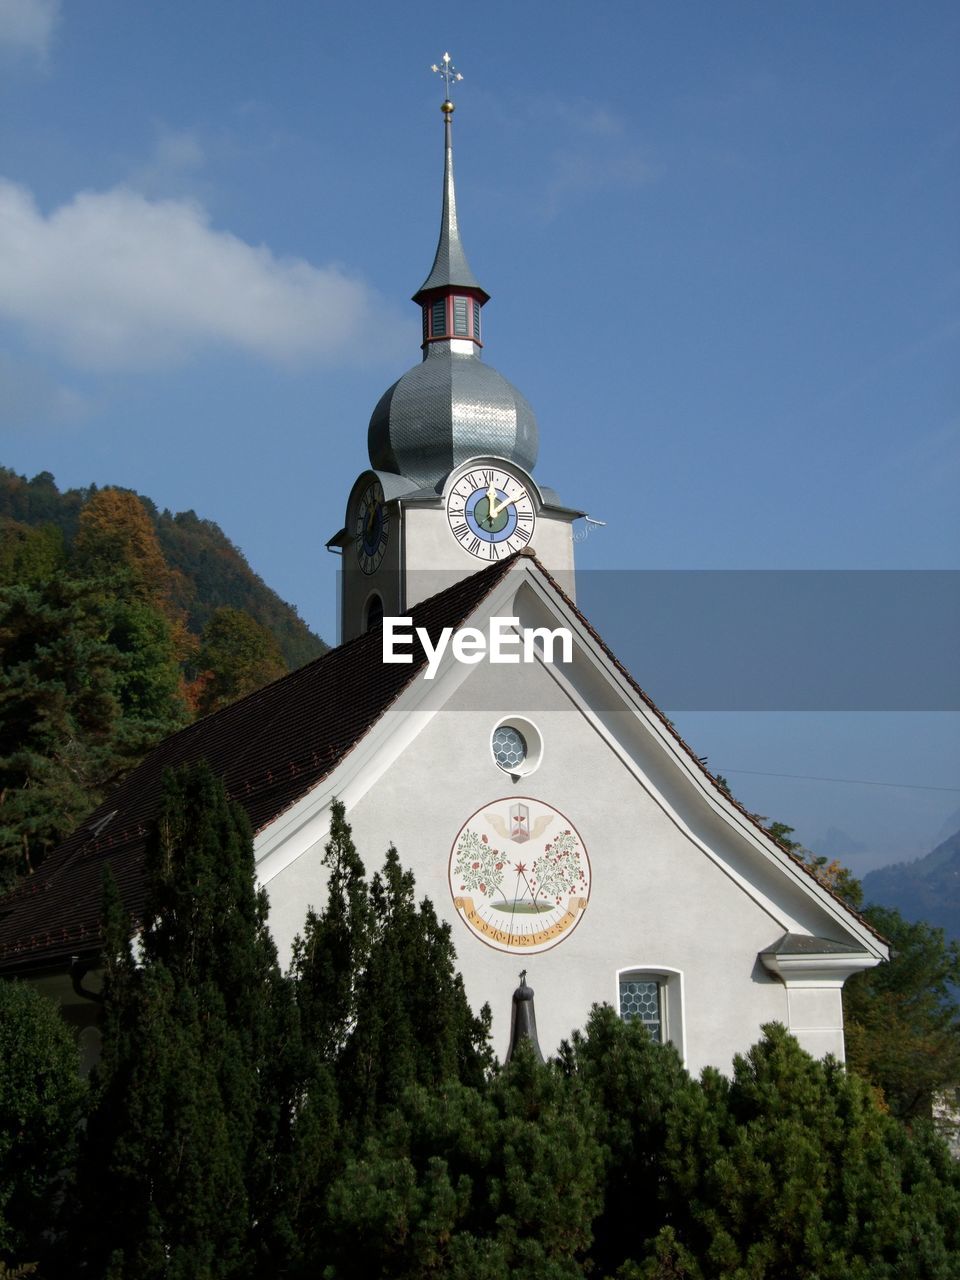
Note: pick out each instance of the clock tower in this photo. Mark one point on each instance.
(452, 447)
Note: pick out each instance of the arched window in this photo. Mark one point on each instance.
(641, 1000)
(374, 612)
(653, 995)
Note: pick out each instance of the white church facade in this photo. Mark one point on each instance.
(546, 807)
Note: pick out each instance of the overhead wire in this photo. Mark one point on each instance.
(859, 782)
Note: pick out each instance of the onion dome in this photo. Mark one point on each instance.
(451, 407)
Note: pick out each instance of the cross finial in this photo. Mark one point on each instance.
(448, 74)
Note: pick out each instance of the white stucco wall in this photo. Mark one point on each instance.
(671, 881)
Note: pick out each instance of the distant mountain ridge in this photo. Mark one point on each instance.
(926, 889)
(211, 571)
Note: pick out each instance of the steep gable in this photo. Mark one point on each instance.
(270, 748)
(716, 899)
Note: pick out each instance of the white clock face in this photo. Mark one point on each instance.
(491, 513)
(519, 875)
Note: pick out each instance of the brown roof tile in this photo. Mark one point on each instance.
(270, 749)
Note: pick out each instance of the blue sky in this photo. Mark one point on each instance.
(721, 242)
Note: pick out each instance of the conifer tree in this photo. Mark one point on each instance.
(380, 998)
(793, 1169)
(464, 1182)
(635, 1086)
(382, 1010)
(413, 1022)
(41, 1098)
(189, 1135)
(88, 684)
(331, 954)
(58, 718)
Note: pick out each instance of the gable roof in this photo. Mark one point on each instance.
(270, 748)
(699, 761)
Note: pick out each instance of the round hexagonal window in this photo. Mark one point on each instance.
(509, 748)
(516, 746)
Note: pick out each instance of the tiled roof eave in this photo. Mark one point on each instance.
(294, 732)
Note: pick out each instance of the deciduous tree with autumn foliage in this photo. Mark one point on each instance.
(99, 654)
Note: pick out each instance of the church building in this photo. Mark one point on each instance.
(473, 717)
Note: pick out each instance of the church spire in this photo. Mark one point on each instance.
(452, 406)
(451, 295)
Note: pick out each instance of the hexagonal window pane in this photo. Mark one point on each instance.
(640, 1000)
(509, 748)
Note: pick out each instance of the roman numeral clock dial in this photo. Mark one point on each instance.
(490, 513)
(372, 528)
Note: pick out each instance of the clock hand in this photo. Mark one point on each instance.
(491, 503)
(496, 509)
(371, 520)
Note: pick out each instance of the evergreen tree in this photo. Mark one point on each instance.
(88, 683)
(793, 1169)
(381, 1000)
(635, 1086)
(466, 1183)
(41, 1098)
(58, 717)
(382, 1010)
(190, 1132)
(330, 956)
(413, 1022)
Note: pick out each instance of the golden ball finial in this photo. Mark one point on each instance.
(447, 107)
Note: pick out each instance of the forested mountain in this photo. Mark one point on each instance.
(926, 889)
(119, 624)
(211, 571)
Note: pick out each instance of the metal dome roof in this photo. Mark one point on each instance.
(452, 407)
(447, 409)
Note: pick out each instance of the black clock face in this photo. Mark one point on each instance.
(372, 527)
(490, 513)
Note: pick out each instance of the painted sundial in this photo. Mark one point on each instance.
(519, 875)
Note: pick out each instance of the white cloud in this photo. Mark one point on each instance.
(28, 25)
(113, 280)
